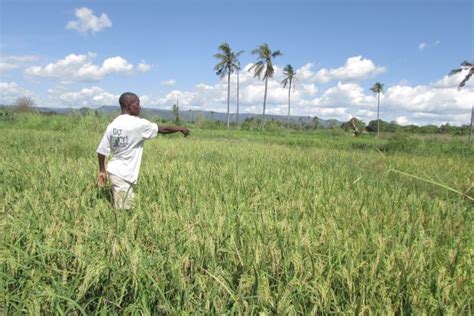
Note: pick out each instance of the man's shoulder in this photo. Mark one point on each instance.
(133, 121)
(114, 122)
(142, 121)
(125, 119)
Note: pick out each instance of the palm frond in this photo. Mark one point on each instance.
(224, 47)
(220, 56)
(257, 69)
(219, 65)
(228, 60)
(465, 65)
(269, 72)
(377, 88)
(276, 54)
(222, 72)
(255, 51)
(256, 64)
(455, 71)
(463, 82)
(264, 61)
(288, 71)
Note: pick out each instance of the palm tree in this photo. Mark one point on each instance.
(226, 66)
(238, 70)
(378, 88)
(264, 64)
(289, 77)
(469, 66)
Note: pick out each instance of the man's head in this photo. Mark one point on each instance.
(130, 103)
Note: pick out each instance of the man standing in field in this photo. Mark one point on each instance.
(124, 139)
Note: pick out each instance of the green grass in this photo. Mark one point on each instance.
(235, 222)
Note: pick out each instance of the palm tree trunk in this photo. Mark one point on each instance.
(264, 102)
(237, 118)
(378, 111)
(288, 119)
(228, 100)
(470, 128)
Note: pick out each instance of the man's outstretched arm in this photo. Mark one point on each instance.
(173, 129)
(102, 178)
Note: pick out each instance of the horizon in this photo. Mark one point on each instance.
(242, 116)
(86, 53)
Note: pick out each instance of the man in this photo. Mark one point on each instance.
(123, 140)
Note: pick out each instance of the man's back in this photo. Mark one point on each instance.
(123, 140)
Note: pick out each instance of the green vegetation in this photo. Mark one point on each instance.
(235, 222)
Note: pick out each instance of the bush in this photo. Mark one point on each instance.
(400, 143)
(24, 104)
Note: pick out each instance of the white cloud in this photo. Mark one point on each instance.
(81, 68)
(144, 100)
(309, 89)
(403, 120)
(344, 94)
(422, 46)
(86, 22)
(143, 66)
(10, 91)
(87, 97)
(429, 99)
(356, 68)
(14, 62)
(168, 83)
(305, 72)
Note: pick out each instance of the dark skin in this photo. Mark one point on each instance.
(133, 108)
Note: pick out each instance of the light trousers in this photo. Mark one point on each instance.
(122, 192)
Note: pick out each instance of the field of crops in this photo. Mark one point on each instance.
(235, 222)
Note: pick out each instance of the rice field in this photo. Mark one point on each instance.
(231, 222)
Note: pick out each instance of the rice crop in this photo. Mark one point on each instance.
(234, 222)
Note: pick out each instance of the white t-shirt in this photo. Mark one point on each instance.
(123, 139)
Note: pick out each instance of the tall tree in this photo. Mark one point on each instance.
(175, 110)
(226, 66)
(264, 65)
(469, 66)
(378, 88)
(289, 73)
(238, 92)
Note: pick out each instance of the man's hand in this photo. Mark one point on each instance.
(185, 131)
(102, 179)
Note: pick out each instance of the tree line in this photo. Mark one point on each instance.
(229, 63)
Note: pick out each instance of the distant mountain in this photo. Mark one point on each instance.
(190, 115)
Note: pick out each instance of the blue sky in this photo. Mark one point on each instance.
(86, 53)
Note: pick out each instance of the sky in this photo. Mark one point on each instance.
(86, 53)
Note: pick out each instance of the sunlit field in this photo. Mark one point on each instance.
(236, 222)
